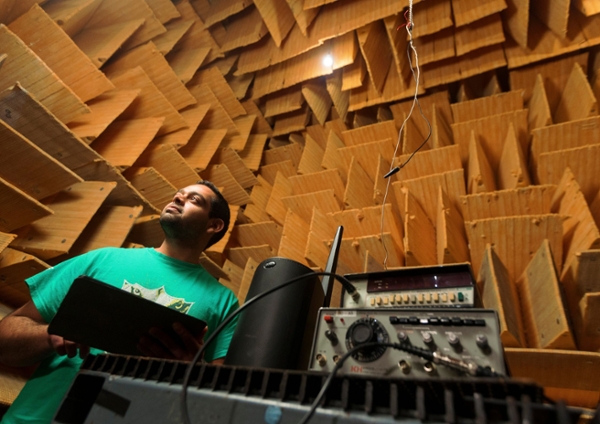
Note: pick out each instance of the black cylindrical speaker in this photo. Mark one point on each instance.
(277, 330)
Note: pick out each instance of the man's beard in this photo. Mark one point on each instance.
(175, 228)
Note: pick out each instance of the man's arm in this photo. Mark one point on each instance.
(24, 339)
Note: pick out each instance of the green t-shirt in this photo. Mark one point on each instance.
(179, 285)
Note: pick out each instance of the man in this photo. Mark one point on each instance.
(196, 218)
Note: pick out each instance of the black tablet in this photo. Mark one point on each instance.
(108, 318)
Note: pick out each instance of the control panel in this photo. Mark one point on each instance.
(470, 336)
(440, 286)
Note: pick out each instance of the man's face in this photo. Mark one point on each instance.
(186, 216)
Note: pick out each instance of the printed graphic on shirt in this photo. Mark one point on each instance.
(159, 296)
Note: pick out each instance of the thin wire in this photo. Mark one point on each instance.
(409, 27)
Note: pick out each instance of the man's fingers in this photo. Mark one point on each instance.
(191, 343)
(149, 346)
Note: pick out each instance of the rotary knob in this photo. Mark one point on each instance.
(366, 330)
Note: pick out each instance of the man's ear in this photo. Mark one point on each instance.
(215, 225)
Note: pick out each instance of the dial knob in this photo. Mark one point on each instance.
(366, 330)
(332, 337)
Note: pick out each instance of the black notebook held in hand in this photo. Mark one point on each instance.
(108, 318)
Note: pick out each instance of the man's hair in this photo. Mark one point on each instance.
(219, 208)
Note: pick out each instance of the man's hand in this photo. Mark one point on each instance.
(67, 347)
(160, 344)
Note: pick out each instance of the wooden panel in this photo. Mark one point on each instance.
(18, 208)
(35, 122)
(267, 232)
(156, 67)
(156, 188)
(235, 273)
(563, 136)
(108, 228)
(217, 117)
(294, 238)
(450, 232)
(579, 228)
(331, 179)
(339, 97)
(23, 65)
(425, 190)
(482, 33)
(275, 206)
(290, 122)
(221, 10)
(367, 154)
(587, 7)
(555, 75)
(360, 188)
(370, 133)
(583, 161)
(163, 9)
(376, 51)
(318, 99)
(546, 44)
(169, 163)
(512, 171)
(578, 100)
(539, 108)
(104, 109)
(185, 63)
(216, 251)
(110, 12)
(73, 209)
(15, 267)
(124, 141)
(46, 39)
(311, 159)
(430, 162)
(487, 106)
(101, 43)
(436, 47)
(298, 69)
(353, 75)
(554, 14)
(516, 17)
(467, 11)
(16, 156)
(342, 17)
(491, 133)
(419, 232)
(393, 90)
(146, 231)
(256, 211)
(252, 152)
(249, 270)
(198, 36)
(454, 69)
(514, 240)
(241, 255)
(303, 16)
(71, 16)
(277, 16)
(559, 371)
(283, 101)
(236, 166)
(222, 91)
(321, 231)
(532, 200)
(399, 43)
(546, 324)
(244, 29)
(431, 16)
(175, 30)
(150, 103)
(193, 115)
(269, 172)
(201, 148)
(302, 204)
(500, 294)
(480, 177)
(221, 176)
